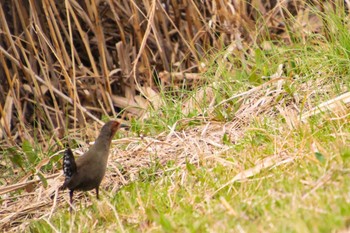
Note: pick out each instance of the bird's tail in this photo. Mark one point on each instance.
(69, 166)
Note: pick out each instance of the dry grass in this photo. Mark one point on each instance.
(198, 145)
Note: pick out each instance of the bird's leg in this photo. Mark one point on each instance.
(97, 196)
(71, 199)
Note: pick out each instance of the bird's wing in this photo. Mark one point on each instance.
(69, 165)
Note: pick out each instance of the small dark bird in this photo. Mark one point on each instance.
(87, 172)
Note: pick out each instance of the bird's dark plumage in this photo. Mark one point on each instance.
(87, 171)
(69, 166)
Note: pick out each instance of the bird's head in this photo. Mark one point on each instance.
(109, 129)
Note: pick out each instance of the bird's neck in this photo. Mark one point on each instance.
(102, 143)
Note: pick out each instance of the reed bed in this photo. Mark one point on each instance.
(69, 63)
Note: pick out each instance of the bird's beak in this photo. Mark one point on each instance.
(124, 126)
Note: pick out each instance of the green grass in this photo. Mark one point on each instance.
(303, 196)
(308, 193)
